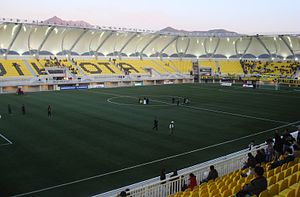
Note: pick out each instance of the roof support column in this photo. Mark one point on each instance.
(128, 41)
(13, 39)
(167, 45)
(45, 39)
(102, 43)
(246, 49)
(263, 44)
(77, 40)
(288, 46)
(146, 46)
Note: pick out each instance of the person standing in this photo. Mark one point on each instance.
(192, 181)
(172, 127)
(162, 175)
(23, 109)
(155, 124)
(9, 109)
(49, 111)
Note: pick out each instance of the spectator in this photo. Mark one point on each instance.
(163, 175)
(192, 181)
(278, 145)
(287, 157)
(251, 145)
(251, 162)
(287, 139)
(297, 144)
(174, 187)
(269, 150)
(298, 136)
(256, 186)
(213, 174)
(260, 156)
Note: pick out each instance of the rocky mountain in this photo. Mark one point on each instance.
(59, 21)
(209, 32)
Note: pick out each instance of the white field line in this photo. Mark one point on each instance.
(228, 113)
(206, 109)
(258, 93)
(152, 162)
(128, 104)
(8, 141)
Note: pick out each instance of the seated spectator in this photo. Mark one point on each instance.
(287, 157)
(256, 186)
(213, 174)
(192, 181)
(251, 162)
(260, 156)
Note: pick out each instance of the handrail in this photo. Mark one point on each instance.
(154, 187)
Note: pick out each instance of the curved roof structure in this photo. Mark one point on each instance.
(35, 37)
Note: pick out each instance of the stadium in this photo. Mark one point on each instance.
(79, 103)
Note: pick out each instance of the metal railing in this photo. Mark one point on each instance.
(156, 188)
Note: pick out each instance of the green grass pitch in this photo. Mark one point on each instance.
(98, 131)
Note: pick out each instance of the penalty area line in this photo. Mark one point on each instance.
(7, 140)
(154, 161)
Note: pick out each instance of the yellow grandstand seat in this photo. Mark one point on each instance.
(166, 65)
(212, 187)
(183, 66)
(210, 64)
(295, 168)
(195, 194)
(277, 170)
(37, 67)
(283, 185)
(270, 173)
(264, 193)
(97, 67)
(178, 194)
(205, 195)
(214, 192)
(292, 179)
(273, 189)
(227, 193)
(151, 64)
(131, 66)
(271, 180)
(236, 189)
(223, 188)
(230, 67)
(280, 176)
(288, 193)
(290, 164)
(13, 68)
(287, 172)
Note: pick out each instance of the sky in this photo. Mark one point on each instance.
(242, 16)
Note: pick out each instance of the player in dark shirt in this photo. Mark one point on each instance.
(23, 109)
(155, 124)
(49, 111)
